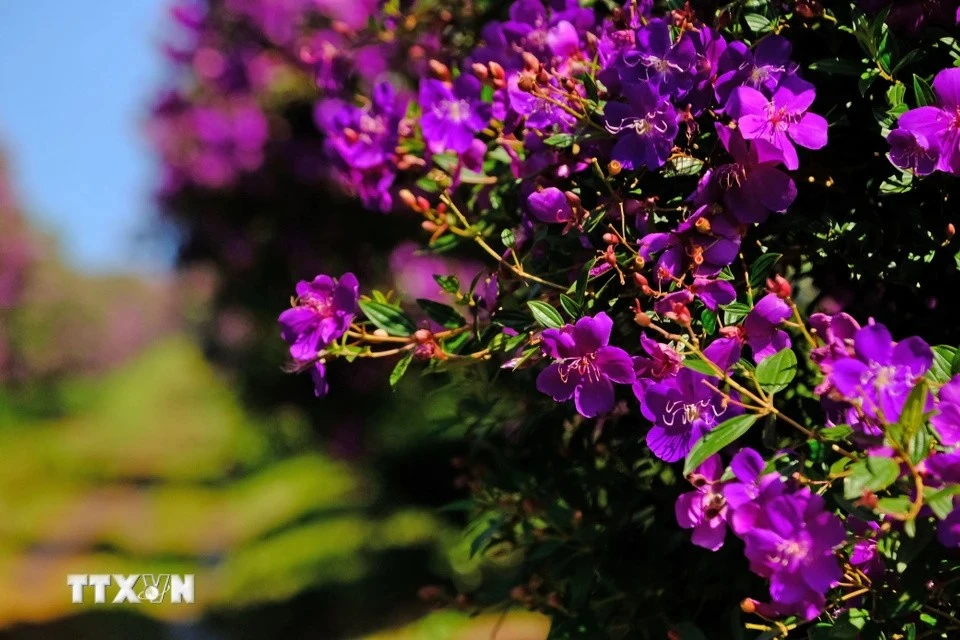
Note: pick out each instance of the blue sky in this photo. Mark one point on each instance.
(75, 81)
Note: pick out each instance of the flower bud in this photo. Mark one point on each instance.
(951, 230)
(496, 71)
(407, 197)
(614, 167)
(518, 593)
(422, 335)
(702, 225)
(439, 70)
(430, 593)
(530, 62)
(642, 319)
(748, 605)
(779, 286)
(480, 70)
(611, 238)
(526, 83)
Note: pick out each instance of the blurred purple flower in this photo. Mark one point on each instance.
(323, 312)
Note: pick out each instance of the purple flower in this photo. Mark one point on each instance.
(882, 374)
(539, 114)
(912, 151)
(751, 186)
(657, 61)
(761, 69)
(702, 244)
(452, 115)
(585, 366)
(318, 373)
(645, 127)
(761, 327)
(550, 205)
(948, 531)
(323, 312)
(682, 410)
(660, 363)
(705, 510)
(935, 127)
(709, 46)
(751, 491)
(946, 422)
(781, 120)
(792, 544)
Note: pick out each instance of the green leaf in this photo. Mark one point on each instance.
(682, 166)
(902, 434)
(734, 311)
(700, 365)
(923, 92)
(941, 502)
(443, 315)
(723, 434)
(839, 432)
(571, 306)
(559, 140)
(777, 371)
(390, 319)
(942, 368)
(400, 368)
(873, 474)
(709, 321)
(507, 238)
(761, 267)
(955, 363)
(545, 315)
(897, 504)
(450, 284)
(757, 22)
(838, 66)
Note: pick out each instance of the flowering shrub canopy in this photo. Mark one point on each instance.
(676, 205)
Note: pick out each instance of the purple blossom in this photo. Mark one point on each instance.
(883, 373)
(946, 422)
(550, 205)
(645, 127)
(655, 60)
(539, 114)
(705, 510)
(762, 327)
(761, 69)
(792, 544)
(702, 244)
(452, 114)
(682, 410)
(912, 151)
(934, 128)
(751, 186)
(318, 373)
(660, 363)
(781, 120)
(585, 366)
(709, 46)
(323, 312)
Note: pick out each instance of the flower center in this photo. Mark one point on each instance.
(454, 110)
(582, 366)
(321, 305)
(790, 552)
(730, 176)
(689, 412)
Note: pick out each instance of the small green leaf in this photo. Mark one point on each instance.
(400, 368)
(722, 435)
(839, 432)
(507, 238)
(700, 365)
(757, 22)
(709, 321)
(443, 315)
(922, 92)
(390, 319)
(761, 268)
(559, 140)
(873, 474)
(734, 311)
(777, 371)
(838, 66)
(902, 434)
(941, 502)
(943, 358)
(570, 306)
(450, 284)
(545, 315)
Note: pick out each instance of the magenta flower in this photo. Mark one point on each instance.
(660, 363)
(882, 373)
(702, 244)
(550, 205)
(645, 127)
(452, 114)
(318, 373)
(657, 61)
(585, 366)
(323, 312)
(682, 409)
(792, 544)
(760, 69)
(935, 128)
(705, 510)
(781, 120)
(751, 186)
(762, 327)
(912, 151)
(947, 420)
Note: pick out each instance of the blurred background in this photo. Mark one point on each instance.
(161, 191)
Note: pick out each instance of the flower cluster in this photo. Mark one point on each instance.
(618, 168)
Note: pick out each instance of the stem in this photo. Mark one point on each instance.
(478, 238)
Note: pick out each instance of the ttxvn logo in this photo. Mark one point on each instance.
(154, 588)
